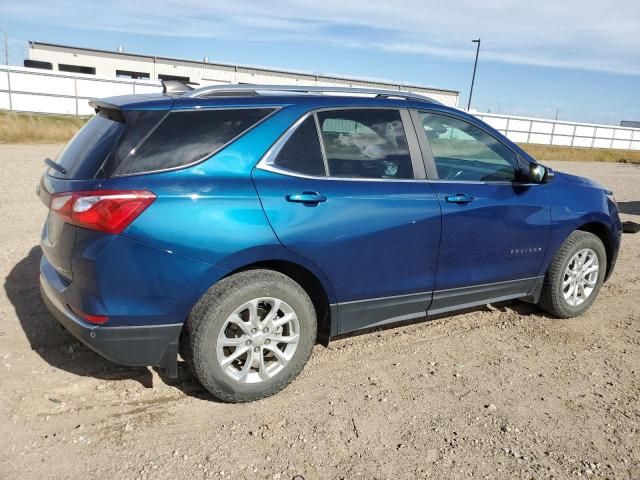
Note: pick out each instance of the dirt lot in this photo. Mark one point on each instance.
(493, 393)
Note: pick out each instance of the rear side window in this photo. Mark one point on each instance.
(365, 143)
(138, 125)
(185, 137)
(85, 153)
(302, 152)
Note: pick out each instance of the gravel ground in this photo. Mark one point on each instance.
(496, 392)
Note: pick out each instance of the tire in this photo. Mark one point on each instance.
(221, 313)
(552, 298)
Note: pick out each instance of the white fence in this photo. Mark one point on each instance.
(41, 91)
(557, 132)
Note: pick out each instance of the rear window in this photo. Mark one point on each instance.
(85, 153)
(186, 137)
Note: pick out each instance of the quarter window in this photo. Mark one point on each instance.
(462, 151)
(365, 143)
(302, 152)
(189, 136)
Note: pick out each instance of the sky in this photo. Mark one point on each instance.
(579, 58)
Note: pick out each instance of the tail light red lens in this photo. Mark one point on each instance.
(97, 319)
(109, 211)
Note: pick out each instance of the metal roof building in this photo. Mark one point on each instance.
(119, 64)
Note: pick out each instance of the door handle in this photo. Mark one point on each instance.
(459, 198)
(308, 198)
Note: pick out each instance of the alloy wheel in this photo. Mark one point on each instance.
(580, 277)
(258, 340)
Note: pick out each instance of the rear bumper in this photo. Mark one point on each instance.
(149, 345)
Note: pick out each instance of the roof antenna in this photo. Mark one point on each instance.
(176, 86)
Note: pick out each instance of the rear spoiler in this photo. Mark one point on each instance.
(109, 110)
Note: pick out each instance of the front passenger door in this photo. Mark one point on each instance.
(495, 227)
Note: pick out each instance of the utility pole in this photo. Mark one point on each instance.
(557, 111)
(475, 65)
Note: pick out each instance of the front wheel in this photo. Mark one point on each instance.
(250, 335)
(575, 276)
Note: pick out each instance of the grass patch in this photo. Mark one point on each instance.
(26, 128)
(579, 154)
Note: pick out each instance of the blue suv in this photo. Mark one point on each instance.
(238, 225)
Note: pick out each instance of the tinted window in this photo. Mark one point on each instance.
(76, 69)
(131, 74)
(464, 152)
(186, 137)
(38, 64)
(302, 153)
(85, 153)
(138, 124)
(365, 143)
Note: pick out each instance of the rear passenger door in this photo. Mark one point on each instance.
(345, 188)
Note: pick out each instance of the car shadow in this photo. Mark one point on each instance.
(54, 343)
(630, 208)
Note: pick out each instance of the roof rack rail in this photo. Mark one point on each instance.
(247, 89)
(177, 86)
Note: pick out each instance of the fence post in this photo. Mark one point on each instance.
(75, 91)
(9, 88)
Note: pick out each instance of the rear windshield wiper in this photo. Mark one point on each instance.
(55, 166)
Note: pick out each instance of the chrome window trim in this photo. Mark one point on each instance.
(266, 163)
(323, 151)
(275, 109)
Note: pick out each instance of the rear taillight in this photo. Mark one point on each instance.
(109, 211)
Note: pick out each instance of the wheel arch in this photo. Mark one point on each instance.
(320, 293)
(601, 231)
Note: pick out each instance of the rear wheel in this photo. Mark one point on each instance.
(575, 276)
(250, 335)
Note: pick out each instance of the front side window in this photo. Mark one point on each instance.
(463, 152)
(302, 152)
(186, 137)
(365, 143)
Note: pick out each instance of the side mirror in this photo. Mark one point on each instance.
(540, 174)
